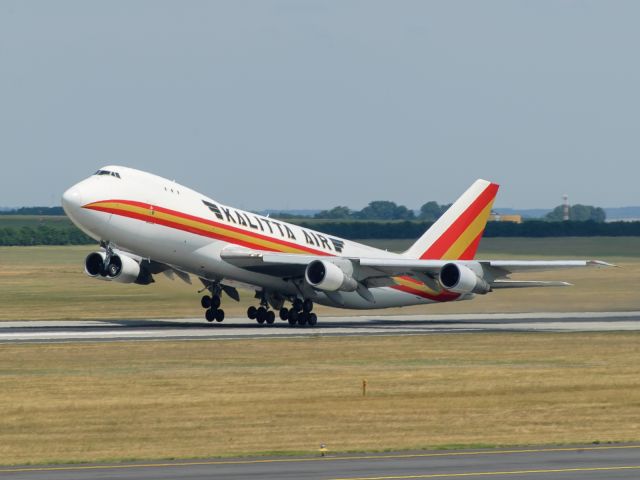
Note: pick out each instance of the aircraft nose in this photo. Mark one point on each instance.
(72, 200)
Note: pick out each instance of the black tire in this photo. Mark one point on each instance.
(304, 317)
(284, 314)
(252, 312)
(205, 301)
(307, 305)
(313, 320)
(219, 315)
(297, 305)
(271, 317)
(261, 315)
(210, 315)
(215, 301)
(293, 317)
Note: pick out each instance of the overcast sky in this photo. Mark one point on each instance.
(312, 104)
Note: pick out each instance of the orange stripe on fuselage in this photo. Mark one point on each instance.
(237, 236)
(199, 226)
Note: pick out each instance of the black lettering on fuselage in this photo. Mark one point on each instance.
(279, 228)
(324, 241)
(268, 224)
(259, 223)
(337, 244)
(308, 238)
(289, 233)
(252, 225)
(228, 215)
(241, 220)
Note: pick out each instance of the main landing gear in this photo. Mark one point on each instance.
(300, 313)
(211, 304)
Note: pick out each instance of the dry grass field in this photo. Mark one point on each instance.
(101, 401)
(47, 283)
(87, 402)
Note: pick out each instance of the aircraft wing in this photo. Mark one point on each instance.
(379, 271)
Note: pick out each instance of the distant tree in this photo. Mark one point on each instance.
(336, 213)
(577, 213)
(284, 215)
(431, 211)
(385, 210)
(34, 211)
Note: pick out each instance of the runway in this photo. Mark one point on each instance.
(576, 462)
(242, 328)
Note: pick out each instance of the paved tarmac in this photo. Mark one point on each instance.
(611, 462)
(235, 328)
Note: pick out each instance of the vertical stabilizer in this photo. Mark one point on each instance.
(456, 234)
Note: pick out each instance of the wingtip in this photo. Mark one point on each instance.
(601, 264)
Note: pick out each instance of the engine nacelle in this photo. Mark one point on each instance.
(94, 265)
(328, 276)
(121, 268)
(462, 279)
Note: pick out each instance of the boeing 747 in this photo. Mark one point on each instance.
(147, 225)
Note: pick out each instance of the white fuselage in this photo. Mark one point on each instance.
(155, 218)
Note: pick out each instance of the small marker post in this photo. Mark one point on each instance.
(364, 387)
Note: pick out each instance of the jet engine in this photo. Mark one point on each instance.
(328, 276)
(120, 268)
(460, 278)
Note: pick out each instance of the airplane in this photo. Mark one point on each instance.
(146, 225)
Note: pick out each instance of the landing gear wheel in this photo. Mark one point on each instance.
(293, 317)
(302, 321)
(284, 314)
(215, 301)
(307, 305)
(271, 317)
(297, 304)
(210, 315)
(252, 312)
(219, 316)
(205, 301)
(313, 319)
(261, 315)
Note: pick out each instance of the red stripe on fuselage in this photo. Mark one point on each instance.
(188, 228)
(441, 297)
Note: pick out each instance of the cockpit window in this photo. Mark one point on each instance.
(107, 172)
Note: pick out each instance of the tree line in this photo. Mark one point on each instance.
(43, 235)
(384, 210)
(70, 235)
(41, 211)
(431, 211)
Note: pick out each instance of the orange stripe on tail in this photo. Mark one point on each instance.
(457, 234)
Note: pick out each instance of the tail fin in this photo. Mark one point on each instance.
(456, 235)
